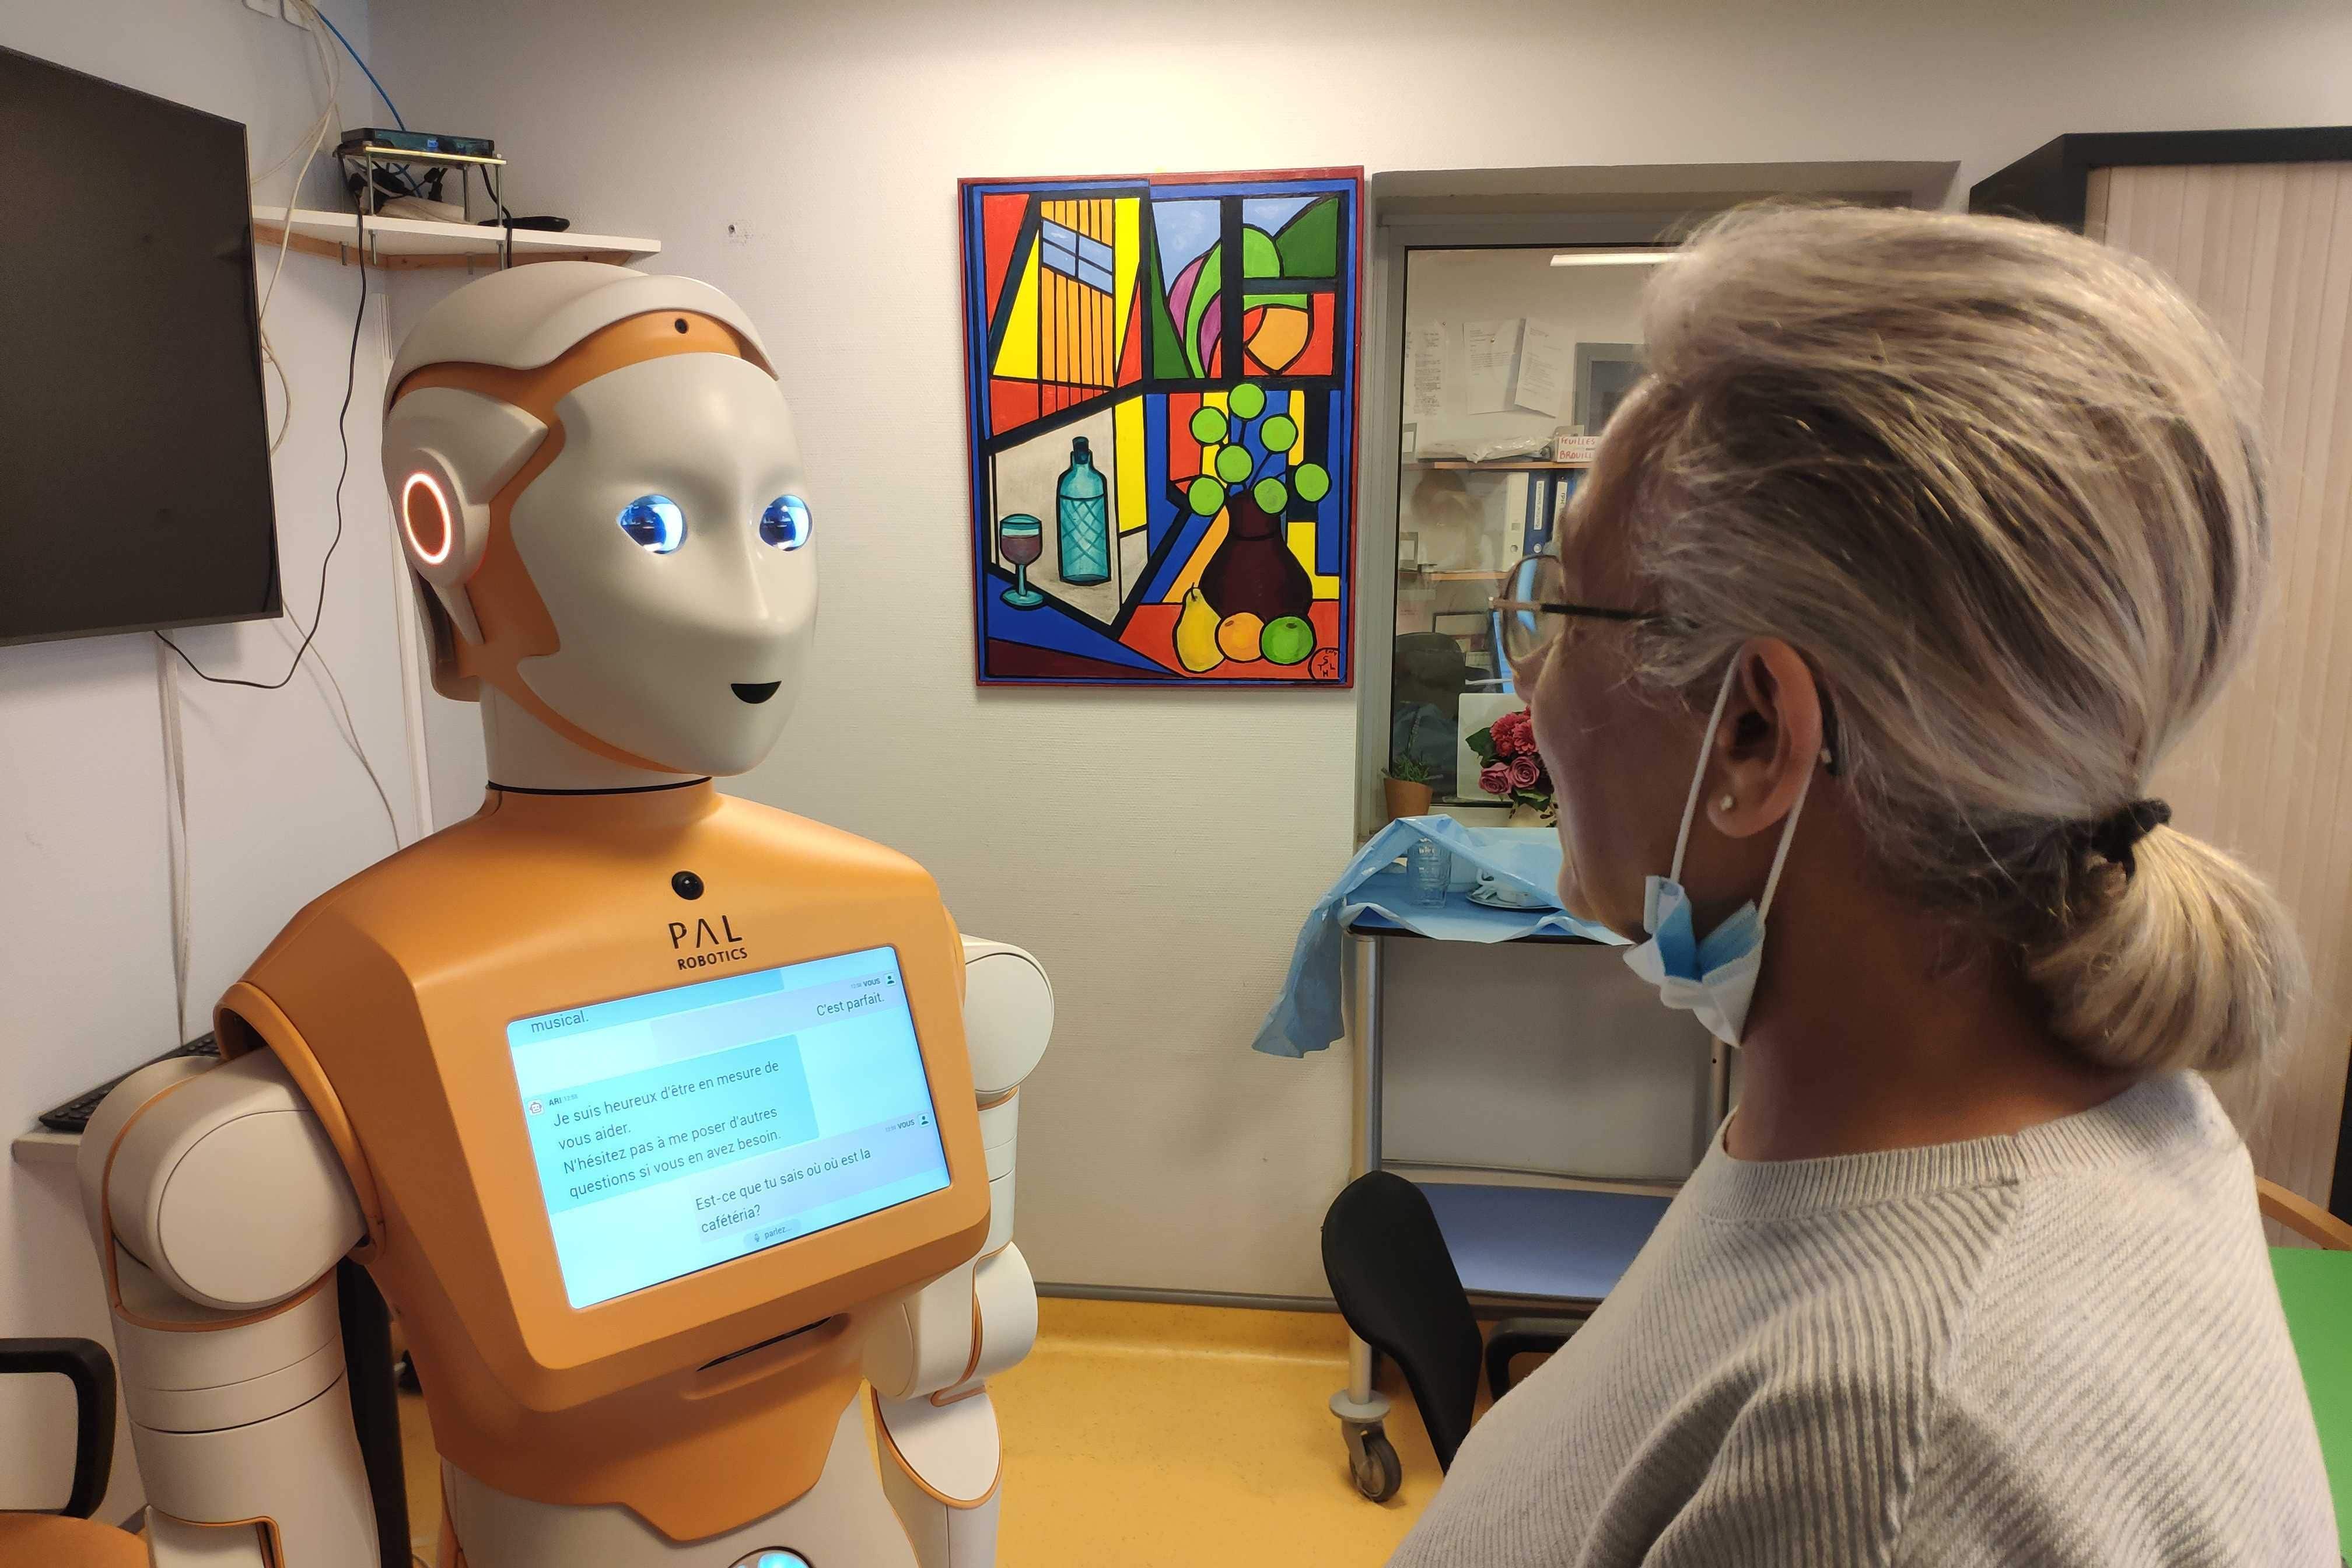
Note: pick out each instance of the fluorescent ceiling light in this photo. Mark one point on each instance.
(1611, 257)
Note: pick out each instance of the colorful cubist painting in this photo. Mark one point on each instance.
(1162, 381)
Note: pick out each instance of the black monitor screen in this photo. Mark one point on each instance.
(135, 443)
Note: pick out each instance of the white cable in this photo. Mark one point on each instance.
(349, 729)
(330, 75)
(167, 674)
(176, 831)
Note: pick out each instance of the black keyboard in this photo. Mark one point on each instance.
(75, 1113)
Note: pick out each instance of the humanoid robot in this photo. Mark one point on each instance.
(659, 1117)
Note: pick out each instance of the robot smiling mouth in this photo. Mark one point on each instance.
(756, 692)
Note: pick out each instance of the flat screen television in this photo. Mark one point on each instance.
(134, 440)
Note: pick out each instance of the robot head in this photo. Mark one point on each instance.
(593, 471)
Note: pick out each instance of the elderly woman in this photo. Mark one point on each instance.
(1925, 541)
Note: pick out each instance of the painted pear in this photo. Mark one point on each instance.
(1196, 634)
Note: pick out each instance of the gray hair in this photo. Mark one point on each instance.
(1996, 482)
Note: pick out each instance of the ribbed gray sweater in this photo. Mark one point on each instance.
(2059, 1348)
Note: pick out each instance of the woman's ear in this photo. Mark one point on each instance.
(1769, 742)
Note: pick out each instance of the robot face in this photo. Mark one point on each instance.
(671, 540)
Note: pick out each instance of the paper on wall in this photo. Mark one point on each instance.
(1541, 384)
(1489, 350)
(1425, 377)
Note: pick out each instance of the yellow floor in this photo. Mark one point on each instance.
(1139, 1435)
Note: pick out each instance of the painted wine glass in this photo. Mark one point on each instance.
(1020, 539)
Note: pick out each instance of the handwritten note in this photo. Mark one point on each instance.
(1489, 350)
(1541, 384)
(1425, 377)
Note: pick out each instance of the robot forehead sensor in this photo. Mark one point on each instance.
(538, 389)
(530, 317)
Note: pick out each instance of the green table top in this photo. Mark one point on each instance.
(2315, 1288)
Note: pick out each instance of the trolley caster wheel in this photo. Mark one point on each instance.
(1373, 1464)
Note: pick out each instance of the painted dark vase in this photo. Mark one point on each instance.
(1254, 571)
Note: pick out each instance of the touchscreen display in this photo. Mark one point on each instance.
(683, 1128)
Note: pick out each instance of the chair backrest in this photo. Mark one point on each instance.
(1395, 1284)
(2314, 1286)
(2303, 1216)
(58, 1541)
(84, 1364)
(1429, 668)
(67, 1539)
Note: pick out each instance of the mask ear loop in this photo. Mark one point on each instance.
(1788, 836)
(1698, 781)
(1699, 778)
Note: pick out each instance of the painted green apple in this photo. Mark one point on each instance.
(1286, 641)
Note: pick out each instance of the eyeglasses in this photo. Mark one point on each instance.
(1538, 587)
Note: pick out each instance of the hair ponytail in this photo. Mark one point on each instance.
(2188, 960)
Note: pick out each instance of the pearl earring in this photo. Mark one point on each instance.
(1726, 802)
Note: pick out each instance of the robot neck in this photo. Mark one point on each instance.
(524, 754)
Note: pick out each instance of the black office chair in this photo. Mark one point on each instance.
(66, 1537)
(1429, 672)
(1396, 1286)
(375, 1415)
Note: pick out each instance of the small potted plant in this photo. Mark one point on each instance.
(1406, 785)
(1512, 768)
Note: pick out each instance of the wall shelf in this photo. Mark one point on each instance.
(43, 1147)
(1507, 466)
(408, 242)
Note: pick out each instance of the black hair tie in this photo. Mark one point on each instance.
(2112, 836)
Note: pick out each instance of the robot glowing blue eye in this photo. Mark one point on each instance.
(655, 522)
(786, 523)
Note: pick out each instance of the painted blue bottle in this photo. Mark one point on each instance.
(1082, 546)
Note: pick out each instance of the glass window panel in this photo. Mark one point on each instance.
(1505, 353)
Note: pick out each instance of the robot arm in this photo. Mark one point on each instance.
(930, 1360)
(219, 1209)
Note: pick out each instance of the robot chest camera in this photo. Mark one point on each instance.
(755, 690)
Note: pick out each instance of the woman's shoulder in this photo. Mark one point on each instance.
(2123, 1366)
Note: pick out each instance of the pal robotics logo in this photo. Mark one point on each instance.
(703, 944)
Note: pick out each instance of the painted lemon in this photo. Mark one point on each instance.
(1289, 640)
(1239, 635)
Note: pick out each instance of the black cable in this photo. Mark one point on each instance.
(342, 431)
(374, 1392)
(505, 217)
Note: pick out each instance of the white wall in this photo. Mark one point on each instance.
(279, 809)
(1158, 849)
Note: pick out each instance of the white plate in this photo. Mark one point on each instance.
(1496, 896)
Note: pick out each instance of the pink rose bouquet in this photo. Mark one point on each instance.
(1511, 767)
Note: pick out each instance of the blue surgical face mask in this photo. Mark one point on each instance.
(1713, 976)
